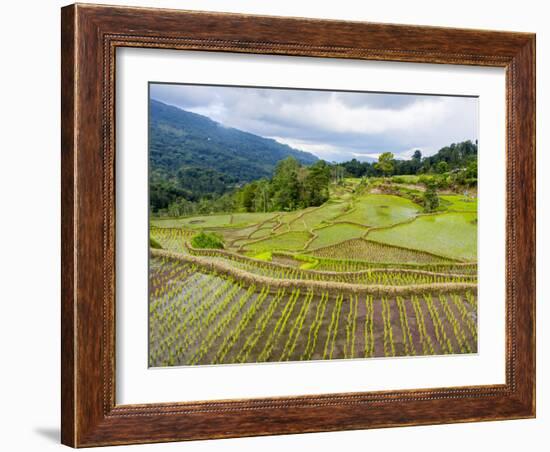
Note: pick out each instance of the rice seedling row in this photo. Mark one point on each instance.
(347, 265)
(427, 346)
(365, 250)
(467, 316)
(231, 338)
(408, 344)
(217, 331)
(440, 334)
(202, 317)
(279, 327)
(351, 327)
(260, 327)
(333, 329)
(456, 325)
(393, 277)
(385, 276)
(314, 328)
(369, 327)
(389, 346)
(296, 328)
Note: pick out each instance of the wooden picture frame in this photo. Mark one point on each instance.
(90, 36)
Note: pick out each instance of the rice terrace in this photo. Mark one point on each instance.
(293, 257)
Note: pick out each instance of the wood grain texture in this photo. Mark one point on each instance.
(67, 226)
(90, 36)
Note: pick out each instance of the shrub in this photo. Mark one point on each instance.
(441, 182)
(207, 240)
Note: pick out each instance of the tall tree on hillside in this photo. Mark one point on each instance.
(316, 184)
(431, 200)
(248, 197)
(385, 163)
(262, 196)
(471, 169)
(285, 185)
(416, 162)
(338, 173)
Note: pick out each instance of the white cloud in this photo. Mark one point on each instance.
(334, 125)
(337, 117)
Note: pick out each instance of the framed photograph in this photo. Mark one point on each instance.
(282, 225)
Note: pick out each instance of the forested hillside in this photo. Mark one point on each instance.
(193, 157)
(456, 156)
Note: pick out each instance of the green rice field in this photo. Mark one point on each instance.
(381, 210)
(453, 235)
(364, 275)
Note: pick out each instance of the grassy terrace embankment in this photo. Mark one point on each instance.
(333, 282)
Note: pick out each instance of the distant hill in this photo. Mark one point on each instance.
(191, 155)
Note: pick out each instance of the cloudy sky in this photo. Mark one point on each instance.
(333, 125)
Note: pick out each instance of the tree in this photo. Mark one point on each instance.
(431, 200)
(457, 155)
(262, 196)
(292, 186)
(354, 168)
(316, 184)
(337, 173)
(416, 162)
(248, 197)
(442, 167)
(286, 187)
(177, 208)
(385, 163)
(471, 170)
(209, 240)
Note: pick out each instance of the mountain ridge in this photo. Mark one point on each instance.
(193, 156)
(219, 133)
